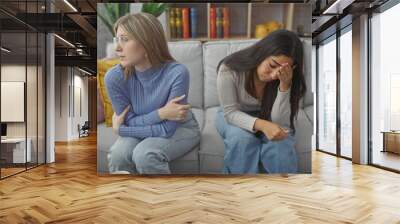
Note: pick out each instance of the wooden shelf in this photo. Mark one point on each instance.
(245, 16)
(205, 39)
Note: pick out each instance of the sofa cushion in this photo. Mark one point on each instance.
(213, 53)
(211, 142)
(211, 145)
(309, 97)
(304, 131)
(102, 68)
(199, 115)
(190, 53)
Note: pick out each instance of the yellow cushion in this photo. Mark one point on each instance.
(102, 68)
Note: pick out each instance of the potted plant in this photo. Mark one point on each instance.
(109, 13)
(156, 9)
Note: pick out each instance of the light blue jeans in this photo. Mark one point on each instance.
(245, 153)
(152, 155)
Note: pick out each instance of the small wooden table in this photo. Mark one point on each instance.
(391, 141)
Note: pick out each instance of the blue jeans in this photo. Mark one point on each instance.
(245, 153)
(152, 155)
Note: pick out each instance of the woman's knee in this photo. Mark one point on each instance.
(284, 144)
(121, 150)
(282, 149)
(238, 135)
(147, 157)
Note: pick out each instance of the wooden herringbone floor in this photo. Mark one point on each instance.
(70, 191)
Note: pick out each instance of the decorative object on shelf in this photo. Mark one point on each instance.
(213, 27)
(193, 21)
(260, 31)
(263, 30)
(273, 25)
(226, 22)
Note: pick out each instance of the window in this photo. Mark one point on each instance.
(385, 85)
(346, 93)
(327, 96)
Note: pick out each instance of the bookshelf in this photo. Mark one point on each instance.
(243, 18)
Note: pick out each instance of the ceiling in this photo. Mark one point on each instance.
(73, 20)
(331, 15)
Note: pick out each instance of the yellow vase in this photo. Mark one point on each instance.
(260, 31)
(272, 26)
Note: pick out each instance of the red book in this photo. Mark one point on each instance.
(213, 26)
(185, 22)
(225, 22)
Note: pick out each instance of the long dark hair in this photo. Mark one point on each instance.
(246, 61)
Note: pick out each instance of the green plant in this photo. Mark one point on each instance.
(156, 9)
(109, 13)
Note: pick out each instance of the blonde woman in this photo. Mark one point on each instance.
(148, 91)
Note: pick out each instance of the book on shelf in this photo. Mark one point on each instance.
(193, 22)
(213, 23)
(178, 22)
(219, 22)
(185, 23)
(225, 21)
(172, 23)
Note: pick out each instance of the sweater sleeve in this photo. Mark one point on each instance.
(119, 97)
(166, 129)
(228, 98)
(280, 112)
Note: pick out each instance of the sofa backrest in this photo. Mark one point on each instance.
(202, 61)
(190, 53)
(213, 53)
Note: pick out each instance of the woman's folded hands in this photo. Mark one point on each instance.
(174, 111)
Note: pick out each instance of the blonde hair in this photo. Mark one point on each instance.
(147, 30)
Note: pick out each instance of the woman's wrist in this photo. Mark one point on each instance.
(283, 87)
(161, 113)
(260, 125)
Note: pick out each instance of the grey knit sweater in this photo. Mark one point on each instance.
(236, 101)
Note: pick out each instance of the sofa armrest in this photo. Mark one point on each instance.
(309, 112)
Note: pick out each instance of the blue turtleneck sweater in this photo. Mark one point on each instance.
(146, 92)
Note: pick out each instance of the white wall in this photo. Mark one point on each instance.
(68, 82)
(61, 103)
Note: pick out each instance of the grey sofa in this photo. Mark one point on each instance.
(202, 59)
